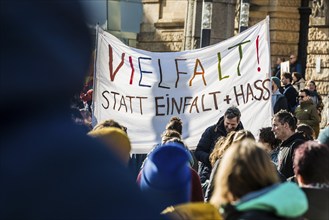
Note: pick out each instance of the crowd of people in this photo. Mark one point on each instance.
(291, 92)
(53, 168)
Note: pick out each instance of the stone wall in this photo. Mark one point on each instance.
(284, 24)
(162, 28)
(318, 50)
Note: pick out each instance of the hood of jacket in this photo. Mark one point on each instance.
(284, 200)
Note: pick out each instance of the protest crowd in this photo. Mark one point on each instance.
(56, 165)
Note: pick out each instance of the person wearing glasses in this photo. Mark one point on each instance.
(227, 123)
(306, 112)
(294, 64)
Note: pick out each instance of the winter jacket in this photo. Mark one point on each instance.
(286, 152)
(318, 201)
(296, 67)
(279, 201)
(50, 168)
(211, 185)
(280, 102)
(307, 113)
(291, 94)
(207, 144)
(299, 85)
(317, 100)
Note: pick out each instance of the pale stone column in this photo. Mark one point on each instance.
(318, 49)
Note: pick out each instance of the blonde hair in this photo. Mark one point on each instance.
(169, 134)
(175, 124)
(245, 167)
(222, 144)
(110, 123)
(243, 134)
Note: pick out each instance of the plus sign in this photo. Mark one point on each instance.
(227, 99)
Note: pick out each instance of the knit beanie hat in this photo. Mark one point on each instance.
(324, 136)
(116, 139)
(167, 175)
(276, 80)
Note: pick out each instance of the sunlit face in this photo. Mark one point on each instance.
(231, 124)
(294, 78)
(310, 86)
(284, 80)
(302, 97)
(278, 129)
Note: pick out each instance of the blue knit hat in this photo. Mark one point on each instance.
(167, 175)
(276, 80)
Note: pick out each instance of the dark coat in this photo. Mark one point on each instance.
(296, 67)
(207, 144)
(291, 94)
(306, 113)
(50, 168)
(281, 103)
(318, 202)
(232, 214)
(211, 185)
(286, 152)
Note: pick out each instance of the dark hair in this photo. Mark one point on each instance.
(306, 130)
(297, 75)
(286, 117)
(311, 161)
(307, 92)
(311, 81)
(288, 76)
(175, 124)
(232, 112)
(266, 135)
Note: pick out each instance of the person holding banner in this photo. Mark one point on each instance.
(227, 123)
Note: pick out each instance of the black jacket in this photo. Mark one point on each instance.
(281, 103)
(318, 202)
(207, 144)
(232, 214)
(286, 152)
(291, 94)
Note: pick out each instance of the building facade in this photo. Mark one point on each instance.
(296, 26)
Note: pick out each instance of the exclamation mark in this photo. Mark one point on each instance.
(257, 42)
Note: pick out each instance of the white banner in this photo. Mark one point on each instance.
(142, 90)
